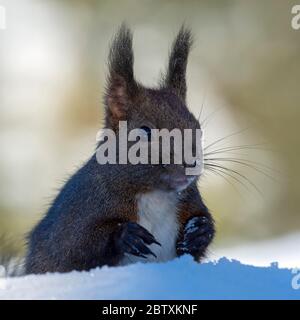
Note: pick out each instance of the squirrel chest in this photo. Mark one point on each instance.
(157, 212)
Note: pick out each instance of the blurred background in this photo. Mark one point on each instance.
(243, 73)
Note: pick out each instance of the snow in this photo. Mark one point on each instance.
(258, 278)
(284, 250)
(181, 278)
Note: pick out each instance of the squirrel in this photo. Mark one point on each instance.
(116, 214)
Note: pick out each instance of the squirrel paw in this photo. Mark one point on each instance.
(198, 233)
(133, 239)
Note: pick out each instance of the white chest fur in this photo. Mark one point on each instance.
(157, 212)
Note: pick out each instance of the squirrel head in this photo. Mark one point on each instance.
(163, 107)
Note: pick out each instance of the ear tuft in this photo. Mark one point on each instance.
(120, 58)
(176, 73)
(120, 83)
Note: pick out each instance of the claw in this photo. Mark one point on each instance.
(144, 249)
(140, 255)
(135, 239)
(148, 251)
(134, 251)
(156, 242)
(153, 254)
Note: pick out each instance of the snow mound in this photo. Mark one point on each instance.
(178, 279)
(284, 249)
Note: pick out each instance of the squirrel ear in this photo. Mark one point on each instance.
(176, 73)
(120, 83)
(116, 98)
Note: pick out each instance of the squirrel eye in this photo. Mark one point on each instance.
(147, 131)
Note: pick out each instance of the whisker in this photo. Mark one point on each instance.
(239, 174)
(224, 138)
(206, 120)
(230, 153)
(250, 161)
(220, 169)
(202, 106)
(218, 173)
(241, 147)
(244, 163)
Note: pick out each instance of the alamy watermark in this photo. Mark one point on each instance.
(295, 22)
(151, 146)
(2, 18)
(296, 279)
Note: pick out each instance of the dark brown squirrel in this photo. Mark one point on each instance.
(114, 214)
